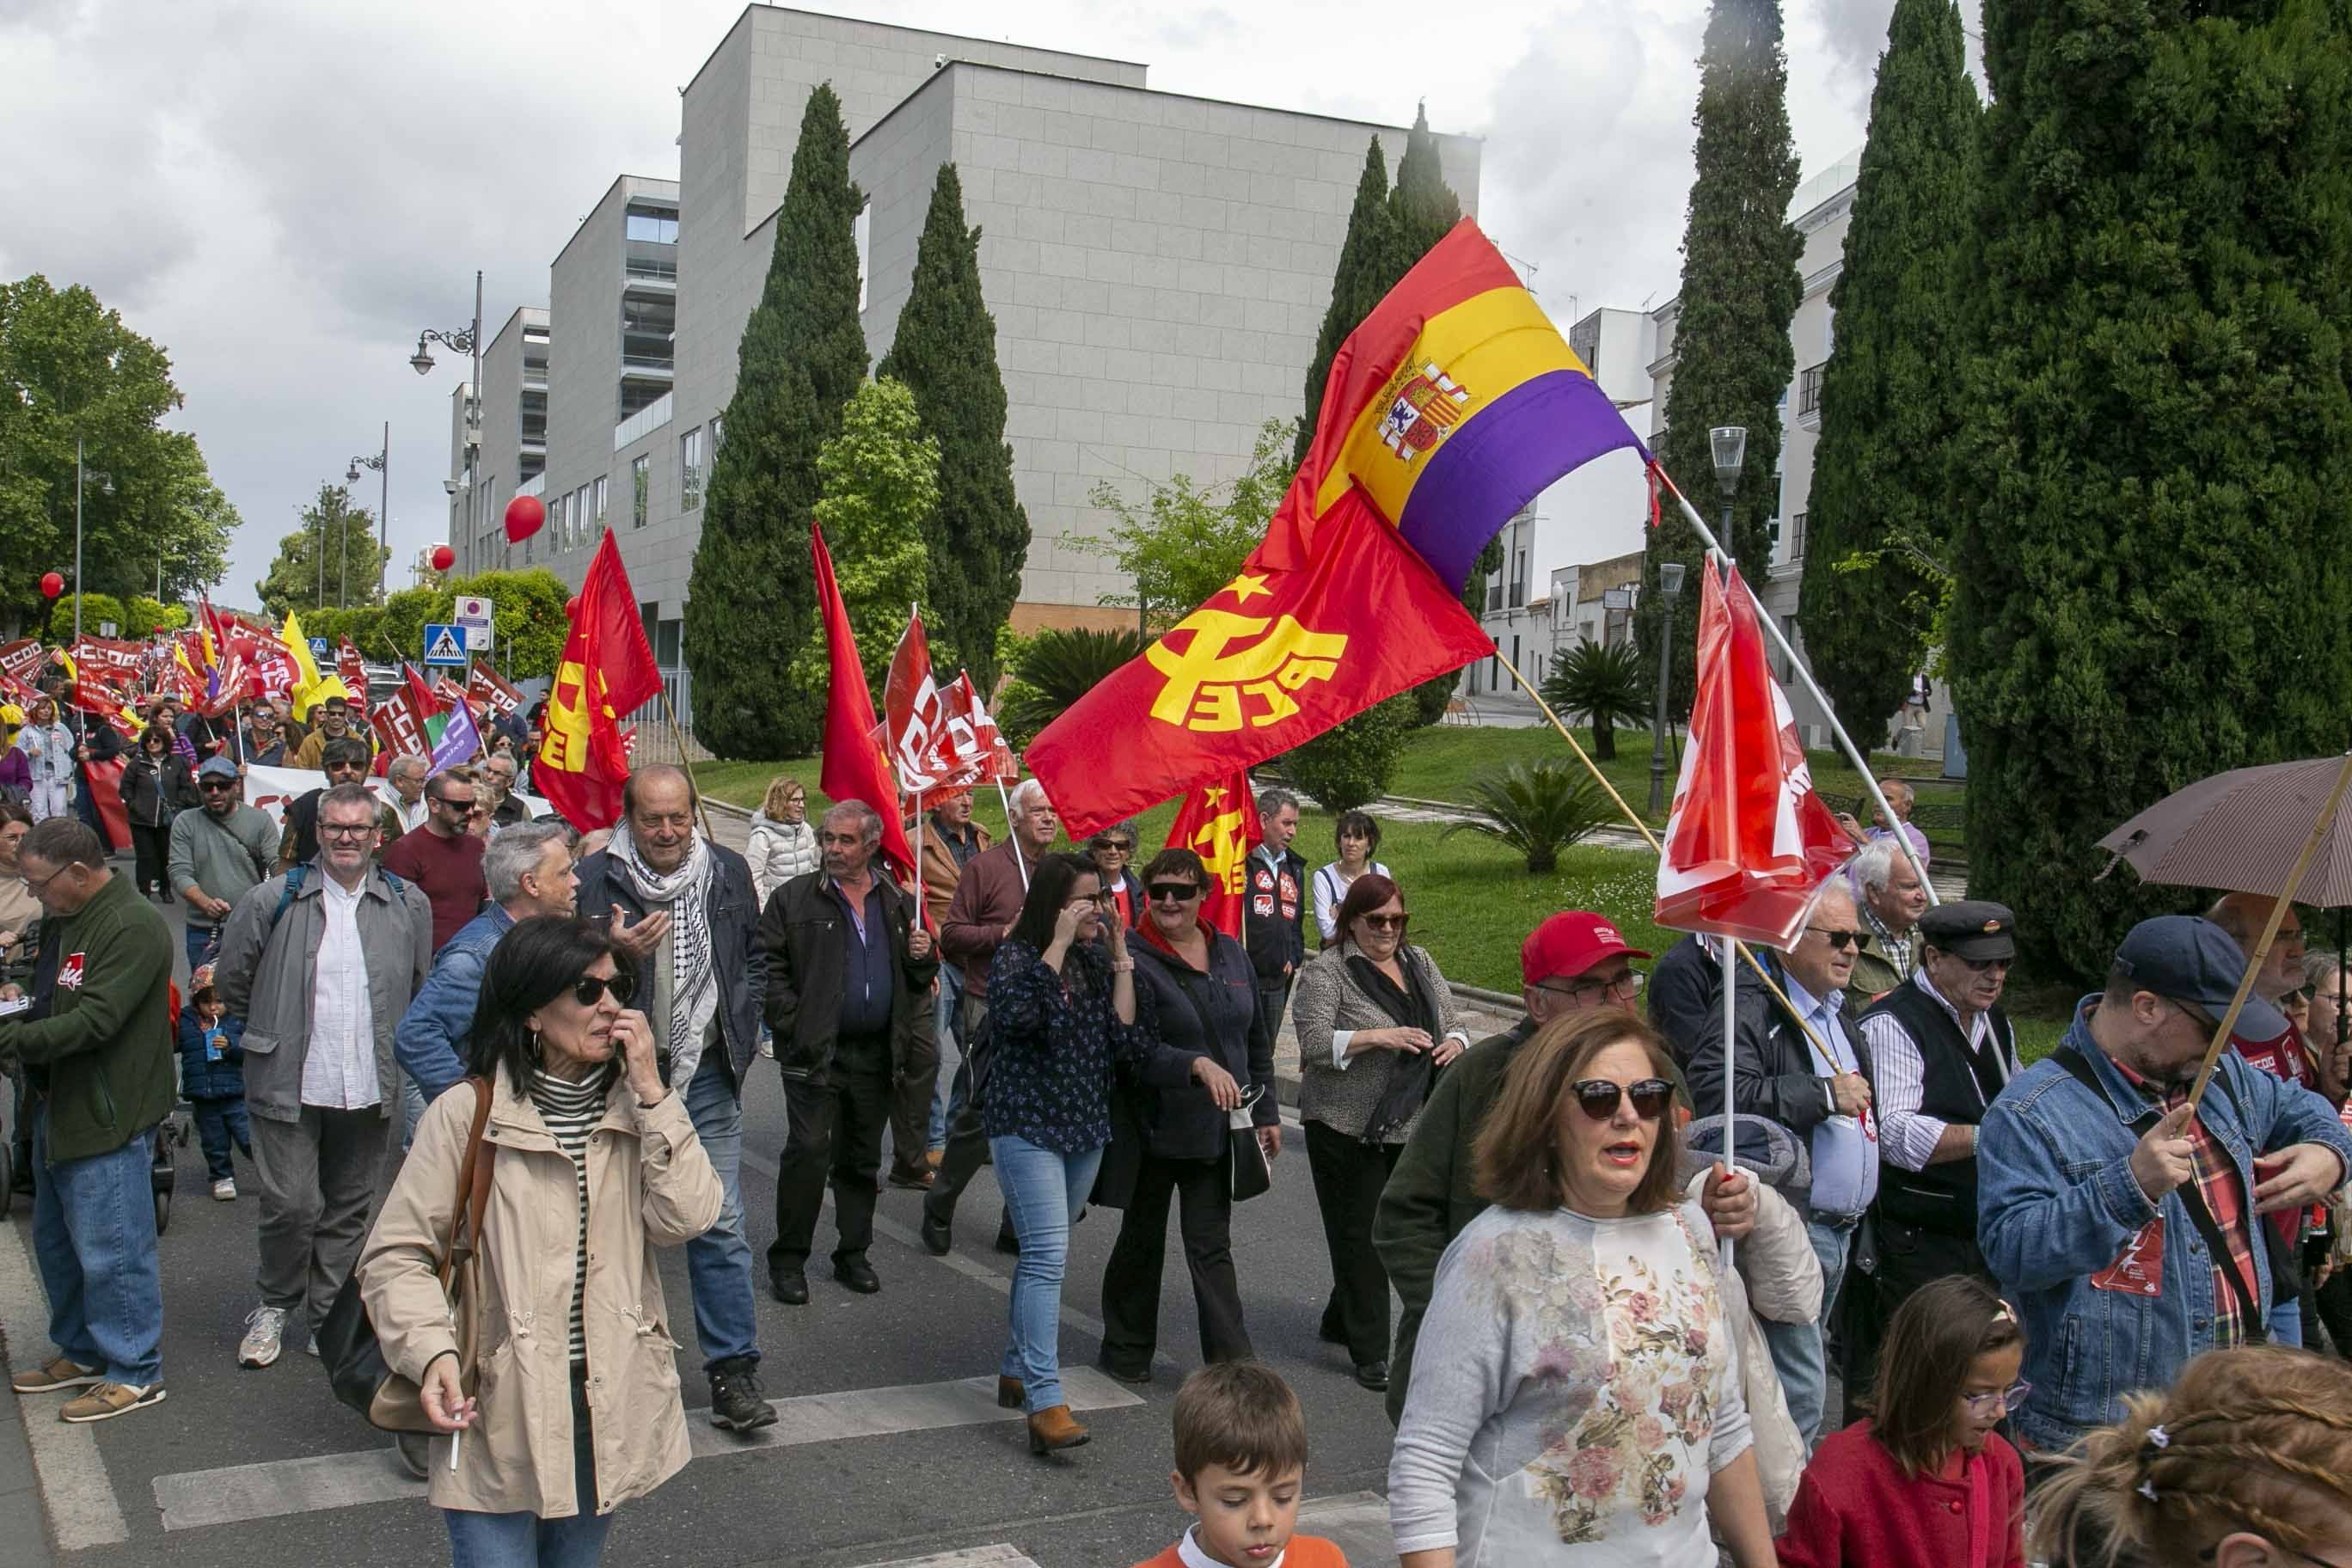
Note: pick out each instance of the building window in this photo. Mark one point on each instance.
(862, 231)
(641, 481)
(1808, 390)
(654, 228)
(717, 435)
(1520, 581)
(598, 511)
(689, 470)
(1797, 537)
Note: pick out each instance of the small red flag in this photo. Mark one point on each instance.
(1218, 822)
(607, 670)
(969, 748)
(854, 766)
(485, 688)
(1748, 840)
(352, 668)
(911, 709)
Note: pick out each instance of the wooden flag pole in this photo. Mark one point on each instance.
(685, 764)
(2270, 931)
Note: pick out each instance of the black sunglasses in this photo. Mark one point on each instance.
(1839, 941)
(1599, 1096)
(216, 786)
(1173, 892)
(589, 989)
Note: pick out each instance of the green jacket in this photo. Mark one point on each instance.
(105, 1050)
(1432, 1194)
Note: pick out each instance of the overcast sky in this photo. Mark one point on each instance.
(283, 192)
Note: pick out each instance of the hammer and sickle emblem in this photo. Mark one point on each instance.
(566, 746)
(1219, 842)
(1211, 689)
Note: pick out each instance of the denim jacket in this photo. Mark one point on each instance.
(2057, 1202)
(433, 1041)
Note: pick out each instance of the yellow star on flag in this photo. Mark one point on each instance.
(1247, 583)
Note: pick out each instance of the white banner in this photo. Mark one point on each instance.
(272, 789)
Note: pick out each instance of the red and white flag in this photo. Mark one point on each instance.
(911, 710)
(352, 668)
(485, 688)
(1748, 840)
(969, 749)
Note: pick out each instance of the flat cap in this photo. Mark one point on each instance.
(1975, 928)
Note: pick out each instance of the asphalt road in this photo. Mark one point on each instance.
(890, 1450)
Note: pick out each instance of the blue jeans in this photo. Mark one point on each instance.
(201, 940)
(954, 1084)
(1043, 1188)
(94, 1237)
(219, 1124)
(527, 1541)
(719, 1261)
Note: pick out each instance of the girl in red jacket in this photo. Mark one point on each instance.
(1925, 1482)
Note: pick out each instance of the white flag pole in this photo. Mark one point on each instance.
(1018, 857)
(1730, 1110)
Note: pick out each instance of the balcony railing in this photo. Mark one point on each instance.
(1808, 390)
(652, 416)
(648, 364)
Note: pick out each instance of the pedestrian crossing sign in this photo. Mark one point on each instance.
(446, 645)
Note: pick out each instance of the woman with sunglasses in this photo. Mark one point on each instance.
(1113, 851)
(1575, 1394)
(595, 1166)
(1061, 1013)
(157, 785)
(1197, 994)
(1376, 1022)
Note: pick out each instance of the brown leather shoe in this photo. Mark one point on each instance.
(933, 1157)
(1054, 1428)
(1009, 1396)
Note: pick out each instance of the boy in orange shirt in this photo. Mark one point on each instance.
(1241, 1462)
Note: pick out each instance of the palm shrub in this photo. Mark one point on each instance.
(1537, 809)
(1605, 684)
(1055, 669)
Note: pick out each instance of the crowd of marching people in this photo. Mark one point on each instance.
(1931, 1305)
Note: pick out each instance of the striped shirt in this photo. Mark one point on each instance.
(572, 1112)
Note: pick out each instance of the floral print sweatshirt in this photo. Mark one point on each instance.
(1574, 1389)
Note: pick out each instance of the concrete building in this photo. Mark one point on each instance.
(1158, 267)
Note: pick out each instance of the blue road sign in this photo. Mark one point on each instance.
(318, 648)
(446, 645)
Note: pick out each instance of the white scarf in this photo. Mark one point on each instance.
(684, 893)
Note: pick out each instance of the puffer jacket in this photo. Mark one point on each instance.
(649, 1184)
(267, 969)
(201, 1076)
(779, 851)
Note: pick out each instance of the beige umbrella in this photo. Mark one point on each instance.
(2266, 830)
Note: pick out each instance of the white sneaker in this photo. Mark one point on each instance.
(264, 1328)
(311, 1347)
(225, 1190)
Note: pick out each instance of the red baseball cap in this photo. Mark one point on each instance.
(1570, 943)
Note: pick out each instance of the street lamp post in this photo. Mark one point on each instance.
(382, 464)
(1669, 588)
(1727, 444)
(466, 341)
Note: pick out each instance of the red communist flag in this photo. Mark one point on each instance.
(1277, 657)
(1748, 840)
(1218, 822)
(607, 669)
(855, 767)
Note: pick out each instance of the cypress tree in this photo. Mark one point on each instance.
(1878, 532)
(1357, 285)
(1733, 361)
(751, 604)
(945, 350)
(1423, 208)
(2151, 582)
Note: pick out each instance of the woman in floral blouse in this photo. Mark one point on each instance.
(1061, 1011)
(1575, 1396)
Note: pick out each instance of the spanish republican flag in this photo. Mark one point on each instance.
(607, 670)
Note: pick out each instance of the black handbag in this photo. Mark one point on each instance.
(1249, 1172)
(347, 1347)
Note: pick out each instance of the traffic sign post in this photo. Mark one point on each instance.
(318, 648)
(446, 644)
(477, 615)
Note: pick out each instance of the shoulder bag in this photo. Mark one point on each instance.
(347, 1342)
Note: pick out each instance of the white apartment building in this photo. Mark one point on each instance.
(1158, 266)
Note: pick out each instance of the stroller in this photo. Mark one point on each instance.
(172, 1134)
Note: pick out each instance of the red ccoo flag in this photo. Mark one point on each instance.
(1218, 822)
(912, 713)
(854, 766)
(607, 669)
(1748, 840)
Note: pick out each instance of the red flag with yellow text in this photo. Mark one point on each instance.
(1277, 657)
(607, 669)
(855, 767)
(1218, 822)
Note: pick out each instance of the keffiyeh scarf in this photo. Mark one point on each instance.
(685, 894)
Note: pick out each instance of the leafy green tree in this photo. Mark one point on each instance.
(1183, 542)
(1351, 764)
(1733, 361)
(332, 557)
(1057, 668)
(1357, 284)
(1537, 809)
(1878, 510)
(881, 480)
(70, 367)
(1606, 684)
(97, 610)
(751, 604)
(2153, 583)
(945, 351)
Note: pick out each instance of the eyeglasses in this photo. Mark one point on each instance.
(345, 830)
(1628, 985)
(1173, 892)
(216, 786)
(1839, 941)
(452, 802)
(2010, 1398)
(1599, 1096)
(36, 887)
(589, 989)
(1116, 847)
(1386, 922)
(1981, 965)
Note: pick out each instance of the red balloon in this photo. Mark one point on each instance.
(571, 608)
(52, 584)
(525, 515)
(444, 558)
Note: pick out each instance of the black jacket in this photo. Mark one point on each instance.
(803, 933)
(1774, 1075)
(151, 793)
(740, 963)
(1276, 937)
(1686, 997)
(1184, 1123)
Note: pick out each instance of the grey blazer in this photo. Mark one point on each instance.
(1328, 999)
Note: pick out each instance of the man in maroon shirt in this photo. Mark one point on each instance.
(442, 858)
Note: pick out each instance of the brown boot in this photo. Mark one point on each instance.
(1008, 1393)
(1053, 1428)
